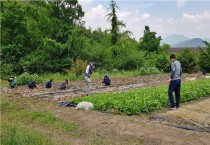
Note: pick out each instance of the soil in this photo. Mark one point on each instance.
(187, 125)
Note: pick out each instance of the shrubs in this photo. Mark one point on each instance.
(79, 67)
(25, 78)
(188, 59)
(148, 70)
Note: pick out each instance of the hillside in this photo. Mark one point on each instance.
(173, 39)
(195, 42)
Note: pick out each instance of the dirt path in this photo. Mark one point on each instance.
(158, 128)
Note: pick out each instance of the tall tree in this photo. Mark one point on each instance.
(69, 11)
(149, 42)
(115, 23)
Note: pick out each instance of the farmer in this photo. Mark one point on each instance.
(32, 85)
(88, 73)
(175, 82)
(49, 84)
(12, 82)
(106, 81)
(63, 85)
(203, 72)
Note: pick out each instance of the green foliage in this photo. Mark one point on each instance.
(46, 37)
(163, 63)
(146, 99)
(149, 42)
(148, 70)
(6, 70)
(188, 59)
(26, 78)
(79, 67)
(204, 57)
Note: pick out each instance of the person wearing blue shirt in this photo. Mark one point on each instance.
(106, 81)
(49, 84)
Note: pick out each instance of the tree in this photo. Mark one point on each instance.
(204, 57)
(115, 23)
(149, 42)
(67, 10)
(188, 60)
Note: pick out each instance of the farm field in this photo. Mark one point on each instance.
(187, 125)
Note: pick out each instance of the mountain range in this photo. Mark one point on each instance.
(180, 41)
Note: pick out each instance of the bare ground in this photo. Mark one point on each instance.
(188, 125)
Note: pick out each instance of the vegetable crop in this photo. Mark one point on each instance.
(144, 100)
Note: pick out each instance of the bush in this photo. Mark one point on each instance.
(204, 58)
(188, 60)
(26, 78)
(163, 63)
(148, 70)
(79, 67)
(6, 70)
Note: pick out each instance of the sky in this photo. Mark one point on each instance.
(190, 18)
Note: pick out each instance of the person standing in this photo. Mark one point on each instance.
(88, 72)
(175, 82)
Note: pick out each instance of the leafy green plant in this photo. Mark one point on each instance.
(144, 100)
(25, 78)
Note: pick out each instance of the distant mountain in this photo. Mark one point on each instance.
(173, 39)
(195, 42)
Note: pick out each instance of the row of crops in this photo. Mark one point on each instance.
(146, 99)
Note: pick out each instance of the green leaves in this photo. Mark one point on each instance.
(204, 58)
(188, 59)
(144, 100)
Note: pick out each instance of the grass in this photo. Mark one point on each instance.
(58, 77)
(14, 134)
(12, 111)
(18, 122)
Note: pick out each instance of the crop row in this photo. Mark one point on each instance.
(146, 99)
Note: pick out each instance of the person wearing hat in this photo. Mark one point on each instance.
(175, 82)
(88, 72)
(106, 81)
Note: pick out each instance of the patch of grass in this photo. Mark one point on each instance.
(21, 114)
(58, 77)
(14, 134)
(46, 118)
(5, 105)
(4, 83)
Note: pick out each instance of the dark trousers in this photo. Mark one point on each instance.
(175, 85)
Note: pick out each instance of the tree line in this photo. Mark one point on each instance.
(50, 36)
